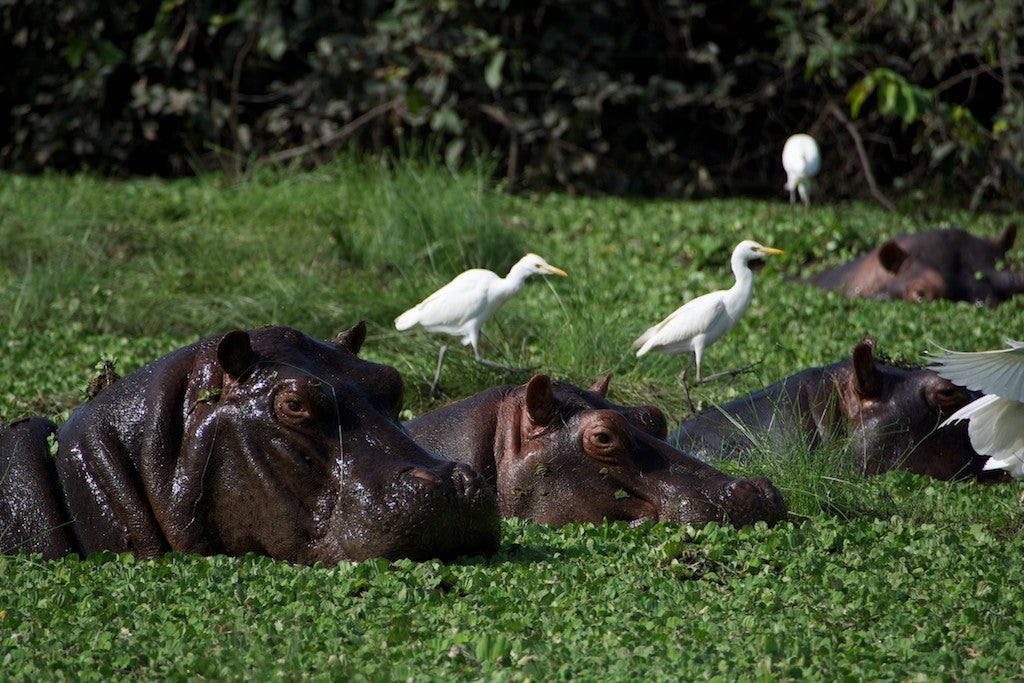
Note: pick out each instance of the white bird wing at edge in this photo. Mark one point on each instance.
(995, 430)
(999, 372)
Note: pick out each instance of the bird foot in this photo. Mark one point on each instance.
(730, 373)
(504, 368)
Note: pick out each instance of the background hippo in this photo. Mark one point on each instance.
(890, 414)
(265, 441)
(557, 454)
(943, 263)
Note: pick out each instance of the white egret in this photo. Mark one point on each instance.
(701, 322)
(462, 306)
(996, 420)
(802, 160)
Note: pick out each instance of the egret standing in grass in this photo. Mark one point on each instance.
(701, 322)
(462, 306)
(996, 420)
(802, 160)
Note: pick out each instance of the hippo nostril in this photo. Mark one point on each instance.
(743, 489)
(465, 479)
(425, 475)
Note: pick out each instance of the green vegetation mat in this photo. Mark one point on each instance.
(894, 577)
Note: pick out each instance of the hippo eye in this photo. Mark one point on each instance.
(291, 407)
(947, 396)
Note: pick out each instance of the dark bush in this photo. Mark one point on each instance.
(670, 97)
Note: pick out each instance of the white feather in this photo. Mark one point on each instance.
(996, 420)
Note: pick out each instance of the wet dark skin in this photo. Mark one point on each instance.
(265, 441)
(556, 453)
(891, 416)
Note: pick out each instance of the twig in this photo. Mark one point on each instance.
(865, 164)
(345, 131)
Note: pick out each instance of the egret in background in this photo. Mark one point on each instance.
(802, 161)
(701, 322)
(996, 420)
(462, 306)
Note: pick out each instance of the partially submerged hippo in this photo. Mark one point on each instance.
(890, 415)
(942, 263)
(265, 441)
(31, 511)
(556, 453)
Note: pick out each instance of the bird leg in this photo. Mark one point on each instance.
(686, 388)
(730, 373)
(505, 368)
(437, 373)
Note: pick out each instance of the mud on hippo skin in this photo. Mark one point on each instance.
(265, 441)
(556, 453)
(890, 416)
(941, 263)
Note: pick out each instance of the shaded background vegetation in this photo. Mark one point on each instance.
(668, 97)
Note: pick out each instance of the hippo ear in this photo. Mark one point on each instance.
(540, 400)
(235, 354)
(601, 386)
(891, 256)
(867, 381)
(1009, 236)
(352, 339)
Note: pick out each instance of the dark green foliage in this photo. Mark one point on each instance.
(687, 98)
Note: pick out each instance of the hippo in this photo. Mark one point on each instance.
(890, 415)
(941, 263)
(556, 453)
(32, 516)
(266, 442)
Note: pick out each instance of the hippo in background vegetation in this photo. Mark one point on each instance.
(890, 415)
(556, 454)
(265, 441)
(942, 263)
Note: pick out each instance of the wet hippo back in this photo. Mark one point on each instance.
(32, 515)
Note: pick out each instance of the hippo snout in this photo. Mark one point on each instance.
(752, 500)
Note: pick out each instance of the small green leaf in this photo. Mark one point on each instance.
(492, 74)
(620, 494)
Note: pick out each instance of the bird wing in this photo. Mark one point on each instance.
(697, 316)
(996, 429)
(999, 372)
(450, 308)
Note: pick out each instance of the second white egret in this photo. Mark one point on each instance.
(701, 322)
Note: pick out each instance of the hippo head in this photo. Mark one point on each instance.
(268, 442)
(911, 279)
(948, 263)
(571, 455)
(893, 415)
